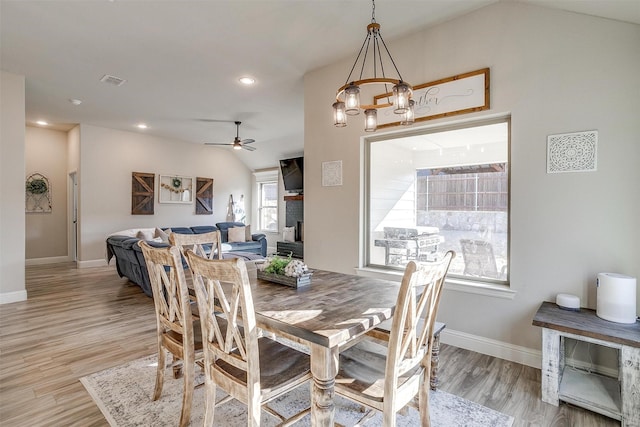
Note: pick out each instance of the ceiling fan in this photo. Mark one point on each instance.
(237, 143)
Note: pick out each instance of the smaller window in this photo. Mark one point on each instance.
(268, 206)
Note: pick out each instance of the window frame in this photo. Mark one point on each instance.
(266, 178)
(476, 285)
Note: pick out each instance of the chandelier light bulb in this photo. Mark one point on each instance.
(352, 100)
(339, 116)
(401, 96)
(409, 115)
(370, 120)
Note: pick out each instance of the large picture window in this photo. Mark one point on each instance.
(438, 189)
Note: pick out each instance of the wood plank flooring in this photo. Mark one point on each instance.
(76, 322)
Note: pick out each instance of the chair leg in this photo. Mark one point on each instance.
(187, 395)
(254, 409)
(423, 403)
(210, 402)
(162, 363)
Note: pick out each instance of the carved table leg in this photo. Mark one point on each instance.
(324, 367)
(435, 358)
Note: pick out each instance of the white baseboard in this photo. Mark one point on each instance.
(47, 260)
(499, 349)
(9, 297)
(92, 263)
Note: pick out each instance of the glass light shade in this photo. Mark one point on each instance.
(408, 118)
(352, 100)
(370, 120)
(339, 116)
(401, 95)
(237, 145)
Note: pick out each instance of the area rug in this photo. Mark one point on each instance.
(123, 394)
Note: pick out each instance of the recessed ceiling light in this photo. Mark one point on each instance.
(247, 80)
(75, 101)
(42, 123)
(141, 126)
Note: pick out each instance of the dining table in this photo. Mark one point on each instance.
(332, 311)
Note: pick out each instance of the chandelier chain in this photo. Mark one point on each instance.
(373, 11)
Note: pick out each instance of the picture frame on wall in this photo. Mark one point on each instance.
(175, 189)
(459, 94)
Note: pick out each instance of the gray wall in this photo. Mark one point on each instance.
(553, 72)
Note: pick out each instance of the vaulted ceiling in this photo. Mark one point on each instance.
(182, 59)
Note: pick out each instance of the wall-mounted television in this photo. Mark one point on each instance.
(293, 174)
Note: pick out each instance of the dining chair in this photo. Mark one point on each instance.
(177, 332)
(388, 378)
(479, 259)
(207, 245)
(254, 370)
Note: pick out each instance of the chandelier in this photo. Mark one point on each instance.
(348, 96)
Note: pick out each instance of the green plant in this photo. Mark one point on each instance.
(277, 265)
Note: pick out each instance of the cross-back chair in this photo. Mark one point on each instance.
(206, 245)
(176, 331)
(252, 369)
(388, 378)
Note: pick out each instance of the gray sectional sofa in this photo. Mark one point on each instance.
(123, 246)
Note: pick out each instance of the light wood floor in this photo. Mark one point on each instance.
(76, 322)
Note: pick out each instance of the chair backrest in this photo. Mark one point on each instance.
(206, 245)
(479, 259)
(224, 300)
(170, 290)
(411, 340)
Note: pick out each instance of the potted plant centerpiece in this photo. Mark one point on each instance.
(286, 271)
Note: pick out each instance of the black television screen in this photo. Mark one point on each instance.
(292, 174)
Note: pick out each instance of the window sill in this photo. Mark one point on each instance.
(467, 286)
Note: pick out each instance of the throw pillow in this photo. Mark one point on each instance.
(146, 234)
(289, 234)
(236, 234)
(247, 233)
(164, 235)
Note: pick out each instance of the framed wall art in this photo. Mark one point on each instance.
(460, 94)
(175, 189)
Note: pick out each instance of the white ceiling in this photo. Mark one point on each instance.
(181, 60)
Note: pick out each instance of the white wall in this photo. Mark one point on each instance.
(107, 159)
(554, 72)
(46, 233)
(12, 176)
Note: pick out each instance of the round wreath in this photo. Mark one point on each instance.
(37, 186)
(176, 182)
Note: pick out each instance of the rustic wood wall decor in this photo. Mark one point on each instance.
(204, 196)
(461, 94)
(142, 193)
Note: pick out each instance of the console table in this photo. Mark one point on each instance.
(617, 398)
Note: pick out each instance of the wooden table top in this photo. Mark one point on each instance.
(333, 309)
(586, 323)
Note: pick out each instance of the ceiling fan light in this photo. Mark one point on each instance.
(339, 116)
(401, 96)
(237, 145)
(352, 100)
(370, 120)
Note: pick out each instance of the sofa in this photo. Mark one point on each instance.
(124, 247)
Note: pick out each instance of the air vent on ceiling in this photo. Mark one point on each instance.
(112, 80)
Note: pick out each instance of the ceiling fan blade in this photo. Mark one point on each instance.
(216, 143)
(249, 148)
(248, 141)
